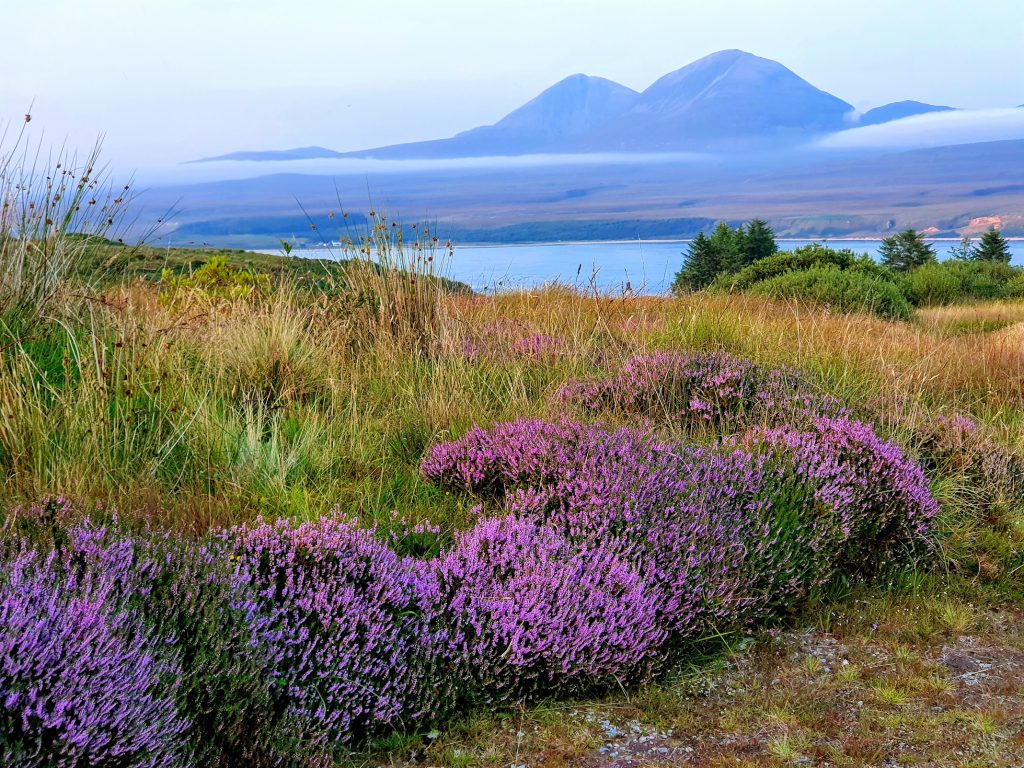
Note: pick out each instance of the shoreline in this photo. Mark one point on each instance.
(651, 241)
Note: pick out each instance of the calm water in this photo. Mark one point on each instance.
(645, 266)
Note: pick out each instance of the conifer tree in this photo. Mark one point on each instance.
(700, 266)
(906, 250)
(992, 247)
(758, 241)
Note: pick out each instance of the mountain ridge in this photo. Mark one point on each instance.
(730, 100)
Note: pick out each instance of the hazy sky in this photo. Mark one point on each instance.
(169, 80)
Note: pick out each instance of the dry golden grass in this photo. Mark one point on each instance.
(295, 402)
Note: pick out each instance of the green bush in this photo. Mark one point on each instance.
(956, 280)
(800, 259)
(1015, 287)
(934, 285)
(844, 290)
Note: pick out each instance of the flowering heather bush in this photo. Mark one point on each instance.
(532, 614)
(877, 499)
(696, 523)
(224, 644)
(702, 391)
(80, 683)
(357, 626)
(957, 446)
(723, 534)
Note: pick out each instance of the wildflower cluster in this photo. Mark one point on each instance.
(356, 625)
(702, 391)
(81, 682)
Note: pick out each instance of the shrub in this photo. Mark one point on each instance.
(651, 502)
(878, 498)
(703, 391)
(532, 614)
(934, 285)
(80, 681)
(200, 605)
(955, 446)
(956, 280)
(213, 282)
(356, 627)
(804, 257)
(846, 291)
(724, 534)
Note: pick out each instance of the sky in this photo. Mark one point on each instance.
(170, 80)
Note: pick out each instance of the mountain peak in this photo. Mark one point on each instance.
(723, 100)
(574, 106)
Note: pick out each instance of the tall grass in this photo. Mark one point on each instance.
(51, 204)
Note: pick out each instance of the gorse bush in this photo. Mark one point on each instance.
(213, 282)
(845, 291)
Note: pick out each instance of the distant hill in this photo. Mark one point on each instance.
(802, 194)
(898, 110)
(301, 153)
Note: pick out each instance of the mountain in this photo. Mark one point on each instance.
(730, 99)
(300, 153)
(897, 111)
(554, 121)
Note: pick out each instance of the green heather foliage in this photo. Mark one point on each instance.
(906, 250)
(992, 247)
(846, 291)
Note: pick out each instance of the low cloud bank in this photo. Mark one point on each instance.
(935, 129)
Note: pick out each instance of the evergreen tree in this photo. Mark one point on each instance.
(727, 244)
(708, 257)
(964, 250)
(757, 241)
(700, 266)
(906, 250)
(992, 247)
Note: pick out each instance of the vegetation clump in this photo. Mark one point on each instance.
(845, 291)
(214, 282)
